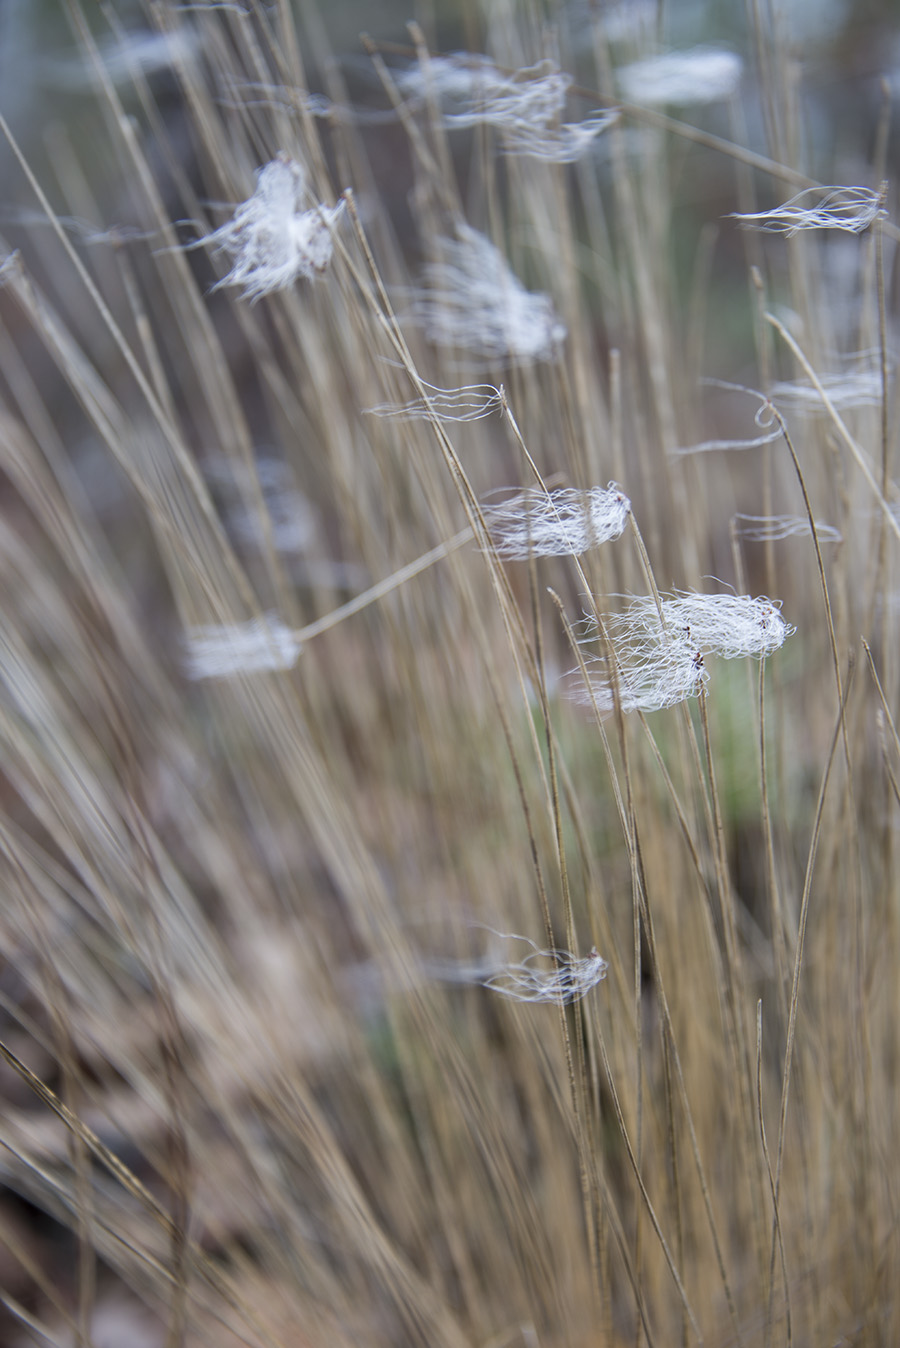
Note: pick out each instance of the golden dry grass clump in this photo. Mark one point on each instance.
(413, 936)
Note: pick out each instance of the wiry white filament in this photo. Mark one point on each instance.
(773, 528)
(702, 75)
(546, 975)
(849, 208)
(764, 418)
(272, 240)
(257, 94)
(562, 523)
(252, 647)
(472, 300)
(710, 446)
(469, 403)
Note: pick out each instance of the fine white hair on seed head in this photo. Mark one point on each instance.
(544, 975)
(658, 648)
(559, 523)
(471, 299)
(727, 625)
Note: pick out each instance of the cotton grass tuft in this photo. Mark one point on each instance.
(271, 239)
(659, 648)
(470, 299)
(562, 523)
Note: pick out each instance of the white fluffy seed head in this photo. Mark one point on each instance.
(660, 661)
(472, 300)
(727, 625)
(648, 678)
(702, 75)
(253, 647)
(562, 523)
(848, 208)
(271, 239)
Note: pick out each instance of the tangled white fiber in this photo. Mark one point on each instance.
(655, 677)
(563, 144)
(534, 96)
(561, 523)
(859, 388)
(524, 107)
(568, 978)
(272, 240)
(849, 208)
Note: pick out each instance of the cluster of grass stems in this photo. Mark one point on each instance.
(239, 1080)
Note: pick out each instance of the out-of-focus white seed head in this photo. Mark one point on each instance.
(253, 647)
(859, 388)
(272, 240)
(562, 523)
(849, 208)
(458, 76)
(535, 96)
(472, 300)
(701, 75)
(525, 107)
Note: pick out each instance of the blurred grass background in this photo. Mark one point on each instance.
(226, 902)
